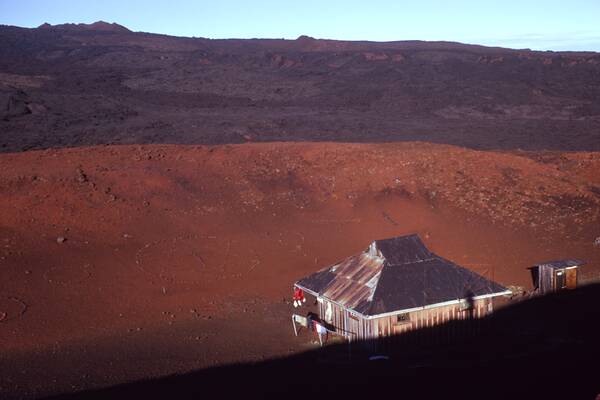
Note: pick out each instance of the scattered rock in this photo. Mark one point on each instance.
(13, 103)
(81, 176)
(61, 239)
(517, 291)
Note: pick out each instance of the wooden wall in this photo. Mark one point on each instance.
(339, 317)
(388, 326)
(355, 327)
(548, 278)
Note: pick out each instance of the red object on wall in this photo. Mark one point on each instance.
(298, 294)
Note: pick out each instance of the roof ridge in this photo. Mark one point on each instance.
(413, 262)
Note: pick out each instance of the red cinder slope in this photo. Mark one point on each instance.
(177, 257)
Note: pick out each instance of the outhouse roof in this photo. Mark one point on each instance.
(559, 264)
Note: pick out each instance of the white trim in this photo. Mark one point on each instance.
(307, 290)
(485, 296)
(574, 266)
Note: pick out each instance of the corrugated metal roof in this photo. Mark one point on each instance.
(560, 264)
(404, 274)
(350, 283)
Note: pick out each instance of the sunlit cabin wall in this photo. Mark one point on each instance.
(338, 315)
(401, 323)
(356, 327)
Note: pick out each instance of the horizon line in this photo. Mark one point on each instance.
(498, 42)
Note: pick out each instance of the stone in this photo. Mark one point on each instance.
(81, 176)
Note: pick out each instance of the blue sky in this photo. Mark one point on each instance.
(540, 25)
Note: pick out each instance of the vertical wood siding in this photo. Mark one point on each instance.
(546, 277)
(390, 325)
(354, 327)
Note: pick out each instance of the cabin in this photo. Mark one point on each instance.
(394, 286)
(553, 276)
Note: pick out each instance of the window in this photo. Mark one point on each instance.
(402, 318)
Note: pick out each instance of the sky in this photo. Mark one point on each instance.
(538, 25)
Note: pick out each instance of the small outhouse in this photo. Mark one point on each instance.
(552, 276)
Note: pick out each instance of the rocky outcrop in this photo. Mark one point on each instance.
(96, 26)
(13, 103)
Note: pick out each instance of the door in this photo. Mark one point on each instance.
(571, 278)
(560, 279)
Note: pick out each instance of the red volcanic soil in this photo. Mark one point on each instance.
(127, 262)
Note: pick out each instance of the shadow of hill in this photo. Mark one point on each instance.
(545, 347)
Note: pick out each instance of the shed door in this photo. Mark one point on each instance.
(560, 279)
(571, 278)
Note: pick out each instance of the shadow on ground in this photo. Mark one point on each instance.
(539, 348)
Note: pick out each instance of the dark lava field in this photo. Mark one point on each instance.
(75, 85)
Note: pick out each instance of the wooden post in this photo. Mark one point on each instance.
(294, 324)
